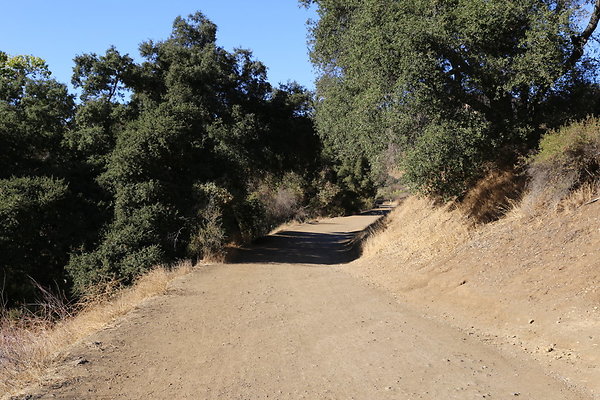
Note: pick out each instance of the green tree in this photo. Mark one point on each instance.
(201, 122)
(395, 72)
(158, 161)
(38, 211)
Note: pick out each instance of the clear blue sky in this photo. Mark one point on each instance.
(58, 30)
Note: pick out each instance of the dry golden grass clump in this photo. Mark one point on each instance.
(29, 345)
(493, 196)
(419, 230)
(588, 192)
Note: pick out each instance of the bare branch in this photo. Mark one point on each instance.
(579, 41)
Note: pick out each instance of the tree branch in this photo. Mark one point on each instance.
(579, 41)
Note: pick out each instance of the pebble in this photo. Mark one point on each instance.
(81, 361)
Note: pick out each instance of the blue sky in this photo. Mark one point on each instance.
(57, 30)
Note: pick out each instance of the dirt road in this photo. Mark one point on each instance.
(284, 322)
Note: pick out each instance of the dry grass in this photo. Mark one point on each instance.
(545, 194)
(580, 196)
(538, 202)
(29, 346)
(419, 230)
(493, 195)
(491, 279)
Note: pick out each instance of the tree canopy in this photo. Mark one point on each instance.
(192, 148)
(159, 160)
(456, 85)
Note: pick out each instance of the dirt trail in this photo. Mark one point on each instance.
(298, 329)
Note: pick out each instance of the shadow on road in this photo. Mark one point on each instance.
(293, 247)
(302, 247)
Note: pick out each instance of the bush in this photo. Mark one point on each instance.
(33, 239)
(208, 232)
(128, 249)
(208, 241)
(250, 216)
(574, 147)
(281, 198)
(446, 159)
(568, 158)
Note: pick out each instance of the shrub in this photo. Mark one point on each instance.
(128, 249)
(208, 240)
(285, 199)
(446, 159)
(280, 198)
(568, 158)
(324, 200)
(250, 216)
(33, 236)
(357, 187)
(208, 232)
(573, 147)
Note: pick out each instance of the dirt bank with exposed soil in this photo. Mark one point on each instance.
(525, 285)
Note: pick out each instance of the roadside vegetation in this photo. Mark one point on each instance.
(484, 108)
(567, 166)
(31, 343)
(514, 264)
(168, 159)
(487, 112)
(449, 91)
(159, 162)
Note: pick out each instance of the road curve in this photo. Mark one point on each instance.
(283, 322)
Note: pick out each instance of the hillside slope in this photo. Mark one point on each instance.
(524, 284)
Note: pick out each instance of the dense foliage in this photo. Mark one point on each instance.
(38, 210)
(454, 86)
(164, 159)
(191, 148)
